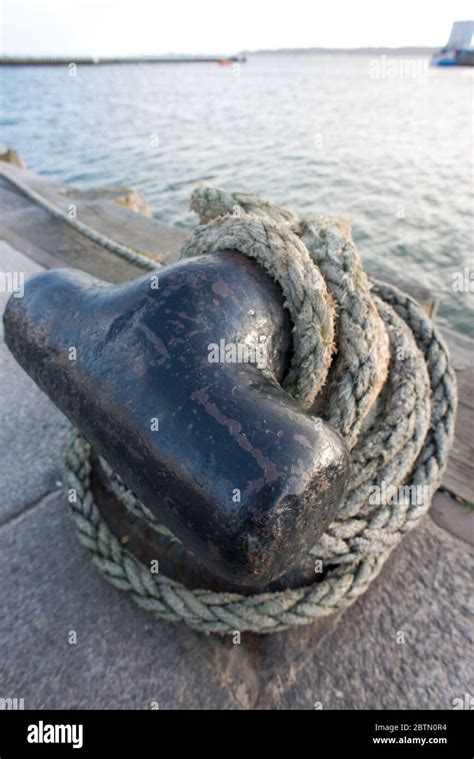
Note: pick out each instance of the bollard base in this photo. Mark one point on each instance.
(174, 560)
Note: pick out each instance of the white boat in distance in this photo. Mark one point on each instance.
(459, 50)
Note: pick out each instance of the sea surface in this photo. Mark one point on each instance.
(385, 141)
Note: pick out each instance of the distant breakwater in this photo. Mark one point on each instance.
(92, 61)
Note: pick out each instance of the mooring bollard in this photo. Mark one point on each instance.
(174, 380)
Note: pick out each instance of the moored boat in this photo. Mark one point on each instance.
(459, 50)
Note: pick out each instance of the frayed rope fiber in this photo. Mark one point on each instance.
(368, 360)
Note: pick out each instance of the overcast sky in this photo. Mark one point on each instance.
(147, 27)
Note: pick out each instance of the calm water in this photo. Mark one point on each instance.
(389, 147)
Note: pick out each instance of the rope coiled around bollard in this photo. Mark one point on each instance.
(368, 360)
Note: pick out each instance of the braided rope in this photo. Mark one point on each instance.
(390, 391)
(286, 259)
(123, 251)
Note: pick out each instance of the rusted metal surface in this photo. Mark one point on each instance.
(174, 560)
(218, 451)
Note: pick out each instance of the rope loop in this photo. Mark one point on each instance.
(368, 360)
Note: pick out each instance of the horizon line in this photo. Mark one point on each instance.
(217, 56)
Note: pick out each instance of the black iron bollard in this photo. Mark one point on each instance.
(175, 382)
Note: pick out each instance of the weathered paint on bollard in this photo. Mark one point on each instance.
(155, 378)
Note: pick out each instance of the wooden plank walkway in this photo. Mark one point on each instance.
(51, 242)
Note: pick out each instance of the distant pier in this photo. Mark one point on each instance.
(93, 61)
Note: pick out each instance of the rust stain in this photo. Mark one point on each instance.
(302, 440)
(220, 288)
(201, 322)
(235, 429)
(156, 341)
